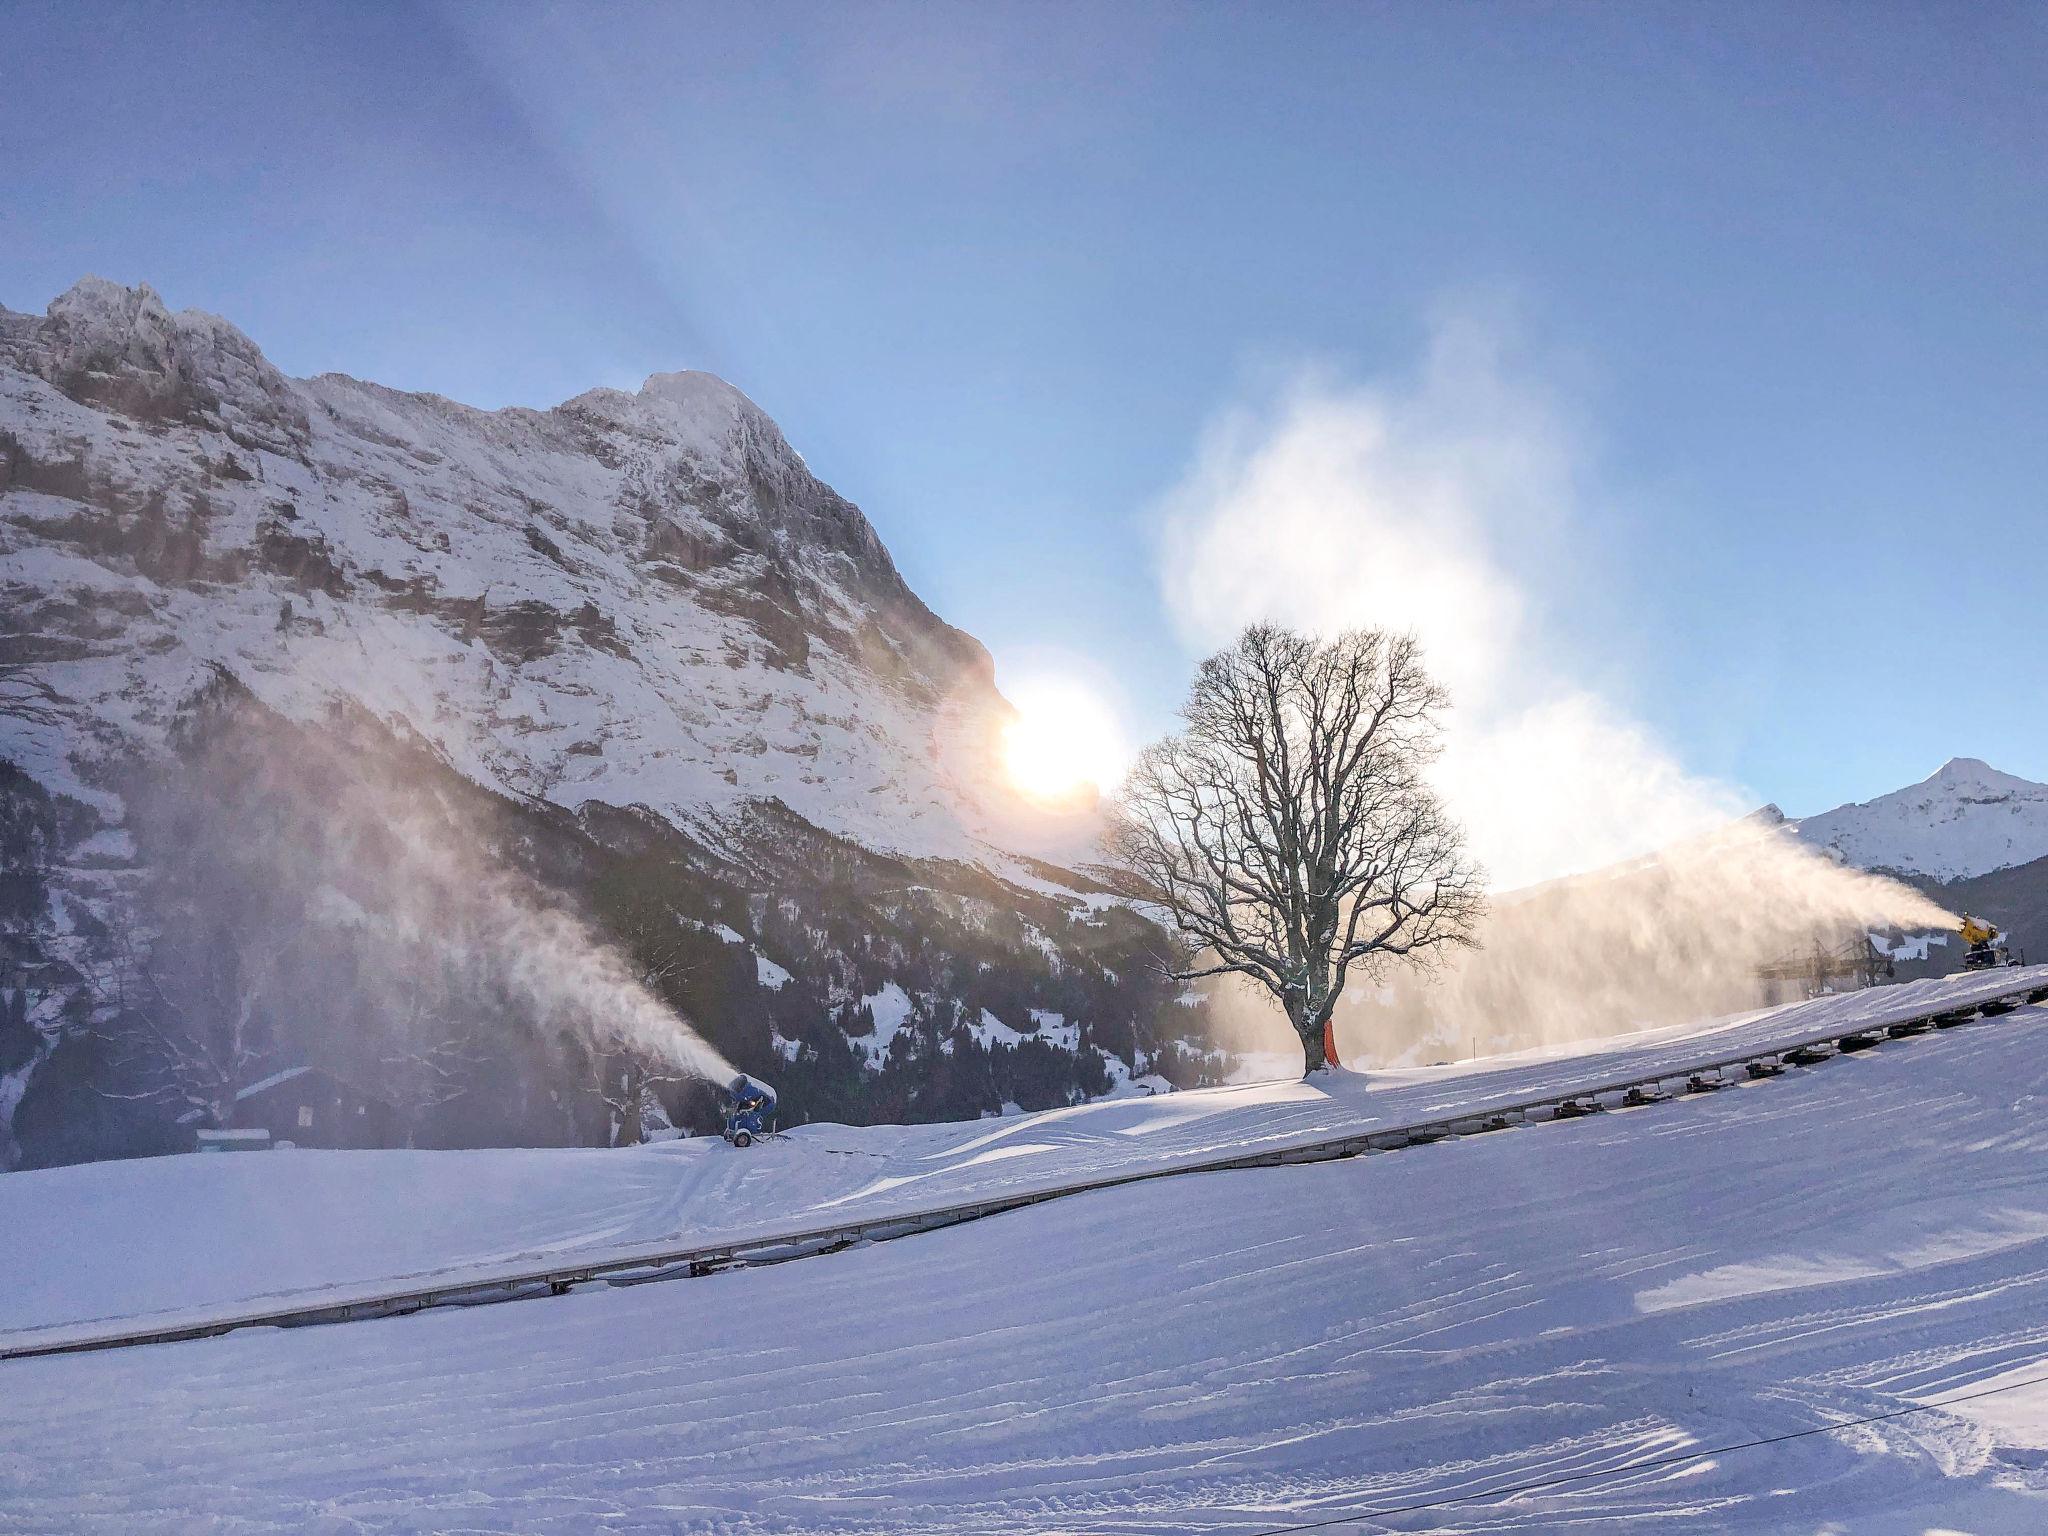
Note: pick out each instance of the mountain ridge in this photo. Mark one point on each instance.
(1964, 820)
(581, 523)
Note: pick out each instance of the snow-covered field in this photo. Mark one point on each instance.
(144, 1240)
(1227, 1351)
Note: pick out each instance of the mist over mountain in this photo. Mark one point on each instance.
(630, 650)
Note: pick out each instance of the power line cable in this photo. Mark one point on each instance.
(1641, 1466)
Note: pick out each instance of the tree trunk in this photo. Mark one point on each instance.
(631, 1131)
(1313, 1057)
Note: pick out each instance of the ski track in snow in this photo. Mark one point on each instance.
(1225, 1353)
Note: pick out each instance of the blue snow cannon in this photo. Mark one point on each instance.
(750, 1110)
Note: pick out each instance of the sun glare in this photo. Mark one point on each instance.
(1063, 743)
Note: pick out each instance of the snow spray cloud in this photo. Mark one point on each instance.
(483, 918)
(1678, 936)
(381, 892)
(1447, 504)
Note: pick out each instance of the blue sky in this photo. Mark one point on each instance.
(1779, 272)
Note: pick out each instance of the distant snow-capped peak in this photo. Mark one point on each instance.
(1965, 819)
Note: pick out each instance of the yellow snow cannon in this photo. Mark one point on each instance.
(1984, 950)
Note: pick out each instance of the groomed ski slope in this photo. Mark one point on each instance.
(1222, 1352)
(141, 1241)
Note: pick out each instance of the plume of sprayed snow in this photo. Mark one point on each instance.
(336, 842)
(1663, 940)
(487, 920)
(1449, 505)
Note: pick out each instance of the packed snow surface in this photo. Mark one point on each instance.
(1966, 819)
(322, 1227)
(1225, 1352)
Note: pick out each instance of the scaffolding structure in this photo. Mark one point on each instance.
(1845, 966)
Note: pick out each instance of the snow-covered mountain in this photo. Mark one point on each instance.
(631, 598)
(1964, 820)
(630, 645)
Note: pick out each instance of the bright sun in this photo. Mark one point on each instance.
(1063, 739)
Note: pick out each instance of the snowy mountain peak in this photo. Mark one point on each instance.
(1967, 774)
(694, 411)
(95, 304)
(701, 394)
(700, 695)
(120, 347)
(1965, 819)
(106, 325)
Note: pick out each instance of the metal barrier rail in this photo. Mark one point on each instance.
(642, 1265)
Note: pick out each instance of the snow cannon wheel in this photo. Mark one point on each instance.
(743, 1138)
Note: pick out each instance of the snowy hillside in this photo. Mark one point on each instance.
(316, 1227)
(1965, 819)
(1654, 1317)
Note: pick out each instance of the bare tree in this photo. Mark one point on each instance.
(628, 1080)
(186, 1014)
(432, 1053)
(1287, 830)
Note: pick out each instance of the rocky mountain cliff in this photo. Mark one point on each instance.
(678, 669)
